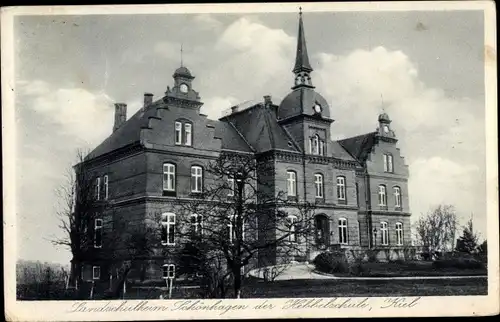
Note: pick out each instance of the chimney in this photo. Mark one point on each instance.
(234, 109)
(267, 100)
(148, 99)
(120, 115)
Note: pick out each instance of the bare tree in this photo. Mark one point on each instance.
(241, 217)
(437, 230)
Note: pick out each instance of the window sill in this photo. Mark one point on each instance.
(383, 207)
(398, 209)
(198, 195)
(167, 244)
(320, 200)
(342, 202)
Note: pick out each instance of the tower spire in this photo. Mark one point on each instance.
(182, 62)
(302, 66)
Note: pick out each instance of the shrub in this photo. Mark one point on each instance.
(358, 268)
(461, 263)
(331, 263)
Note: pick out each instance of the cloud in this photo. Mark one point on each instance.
(441, 137)
(214, 107)
(207, 21)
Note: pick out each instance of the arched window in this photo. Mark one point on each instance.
(318, 183)
(169, 177)
(399, 233)
(322, 230)
(168, 228)
(397, 198)
(343, 239)
(341, 195)
(196, 179)
(382, 196)
(291, 183)
(384, 233)
(315, 145)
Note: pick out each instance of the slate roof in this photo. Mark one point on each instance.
(359, 146)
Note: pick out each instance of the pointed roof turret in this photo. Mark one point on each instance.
(301, 59)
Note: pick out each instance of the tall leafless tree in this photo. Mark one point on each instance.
(437, 230)
(241, 217)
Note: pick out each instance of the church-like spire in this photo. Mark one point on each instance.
(302, 66)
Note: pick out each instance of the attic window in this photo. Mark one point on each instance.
(290, 144)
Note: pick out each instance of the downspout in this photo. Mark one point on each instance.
(369, 222)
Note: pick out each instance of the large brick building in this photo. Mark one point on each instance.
(359, 184)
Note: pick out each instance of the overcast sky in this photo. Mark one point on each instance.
(427, 67)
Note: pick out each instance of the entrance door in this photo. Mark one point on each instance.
(322, 231)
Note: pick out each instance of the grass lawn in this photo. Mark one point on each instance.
(352, 288)
(412, 268)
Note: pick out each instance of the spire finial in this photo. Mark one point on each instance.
(383, 105)
(300, 11)
(182, 57)
(302, 67)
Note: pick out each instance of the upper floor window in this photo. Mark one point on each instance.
(341, 188)
(343, 231)
(292, 183)
(230, 182)
(399, 233)
(388, 165)
(196, 179)
(384, 233)
(291, 222)
(98, 189)
(231, 231)
(318, 183)
(183, 133)
(382, 196)
(316, 145)
(196, 224)
(106, 189)
(98, 233)
(397, 197)
(169, 177)
(168, 229)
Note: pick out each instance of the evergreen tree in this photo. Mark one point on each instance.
(468, 242)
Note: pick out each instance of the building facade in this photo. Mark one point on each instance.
(359, 184)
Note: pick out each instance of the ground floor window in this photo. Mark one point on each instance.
(96, 272)
(322, 230)
(168, 271)
(343, 231)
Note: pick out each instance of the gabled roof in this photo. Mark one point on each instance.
(360, 146)
(259, 127)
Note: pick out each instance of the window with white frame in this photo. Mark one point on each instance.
(96, 272)
(318, 183)
(197, 224)
(106, 189)
(168, 177)
(188, 134)
(382, 196)
(97, 233)
(292, 183)
(168, 271)
(397, 197)
(388, 165)
(231, 231)
(315, 144)
(292, 232)
(178, 133)
(98, 188)
(384, 233)
(399, 233)
(168, 229)
(230, 182)
(343, 239)
(341, 188)
(196, 179)
(321, 147)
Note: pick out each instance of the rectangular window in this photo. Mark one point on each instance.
(399, 234)
(343, 231)
(292, 183)
(98, 233)
(178, 133)
(321, 148)
(397, 197)
(384, 233)
(168, 271)
(292, 233)
(230, 228)
(386, 168)
(318, 182)
(310, 146)
(96, 272)
(97, 188)
(341, 188)
(389, 163)
(188, 134)
(382, 196)
(196, 225)
(230, 183)
(196, 179)
(169, 177)
(106, 190)
(168, 229)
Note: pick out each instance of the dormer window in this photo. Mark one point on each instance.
(183, 133)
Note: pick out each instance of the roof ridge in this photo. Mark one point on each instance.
(357, 136)
(271, 136)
